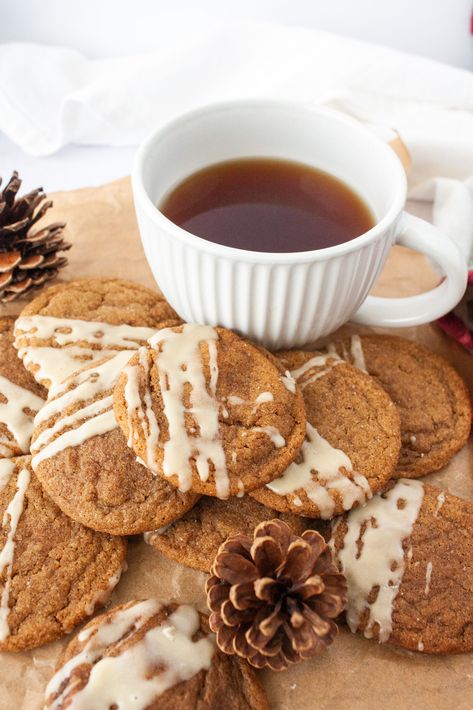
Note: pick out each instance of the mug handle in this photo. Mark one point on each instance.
(422, 236)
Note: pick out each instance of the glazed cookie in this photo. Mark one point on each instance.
(20, 397)
(194, 539)
(147, 654)
(208, 411)
(431, 397)
(408, 559)
(53, 572)
(82, 459)
(352, 440)
(76, 323)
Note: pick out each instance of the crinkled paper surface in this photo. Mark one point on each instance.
(355, 674)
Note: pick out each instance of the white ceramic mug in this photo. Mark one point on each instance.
(286, 300)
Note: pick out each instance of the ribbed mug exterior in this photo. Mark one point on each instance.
(281, 305)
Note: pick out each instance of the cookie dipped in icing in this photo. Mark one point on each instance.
(81, 457)
(432, 399)
(352, 440)
(408, 559)
(20, 397)
(208, 411)
(54, 572)
(74, 324)
(149, 655)
(194, 539)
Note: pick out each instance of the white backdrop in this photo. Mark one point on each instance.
(99, 28)
(432, 28)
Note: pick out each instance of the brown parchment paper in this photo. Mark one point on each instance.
(355, 674)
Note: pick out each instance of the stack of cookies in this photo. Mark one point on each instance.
(118, 419)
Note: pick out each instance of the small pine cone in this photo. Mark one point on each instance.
(27, 258)
(273, 598)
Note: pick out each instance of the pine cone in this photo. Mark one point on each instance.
(27, 258)
(272, 598)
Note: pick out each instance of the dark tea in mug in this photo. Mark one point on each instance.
(268, 205)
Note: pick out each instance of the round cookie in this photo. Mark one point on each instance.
(154, 655)
(352, 440)
(209, 411)
(414, 544)
(53, 572)
(75, 323)
(194, 539)
(431, 397)
(20, 396)
(82, 459)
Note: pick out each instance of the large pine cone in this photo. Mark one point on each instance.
(27, 258)
(272, 599)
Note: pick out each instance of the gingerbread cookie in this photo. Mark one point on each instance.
(82, 459)
(431, 397)
(408, 559)
(20, 397)
(351, 445)
(194, 539)
(53, 572)
(208, 411)
(73, 324)
(147, 654)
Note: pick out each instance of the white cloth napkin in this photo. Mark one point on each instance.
(50, 96)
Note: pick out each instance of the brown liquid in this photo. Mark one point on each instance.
(265, 204)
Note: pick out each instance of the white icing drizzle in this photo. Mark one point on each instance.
(87, 421)
(289, 382)
(11, 519)
(357, 354)
(278, 440)
(316, 361)
(180, 368)
(234, 400)
(428, 578)
(65, 331)
(380, 562)
(63, 358)
(241, 488)
(182, 379)
(143, 407)
(319, 472)
(440, 502)
(420, 646)
(12, 413)
(148, 536)
(264, 397)
(164, 656)
(56, 364)
(96, 426)
(6, 469)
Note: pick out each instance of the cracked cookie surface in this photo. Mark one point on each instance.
(194, 539)
(54, 571)
(352, 441)
(208, 411)
(432, 399)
